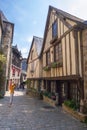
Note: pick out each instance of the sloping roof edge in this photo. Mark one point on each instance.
(65, 14)
(32, 45)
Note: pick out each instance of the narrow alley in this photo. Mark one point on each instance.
(28, 113)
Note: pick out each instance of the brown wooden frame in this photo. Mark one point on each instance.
(58, 52)
(48, 58)
(55, 22)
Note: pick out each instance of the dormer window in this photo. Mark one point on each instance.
(54, 29)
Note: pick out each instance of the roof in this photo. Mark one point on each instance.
(38, 43)
(3, 16)
(15, 49)
(5, 22)
(63, 14)
(66, 15)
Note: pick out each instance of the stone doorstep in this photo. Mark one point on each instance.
(75, 114)
(49, 101)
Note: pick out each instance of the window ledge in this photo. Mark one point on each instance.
(46, 68)
(56, 64)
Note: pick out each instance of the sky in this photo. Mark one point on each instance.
(29, 17)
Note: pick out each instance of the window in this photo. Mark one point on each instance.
(74, 93)
(13, 72)
(18, 73)
(24, 65)
(31, 54)
(48, 58)
(58, 52)
(54, 29)
(32, 67)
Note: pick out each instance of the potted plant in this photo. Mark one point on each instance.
(54, 64)
(60, 64)
(46, 68)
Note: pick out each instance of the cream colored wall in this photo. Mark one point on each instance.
(61, 28)
(52, 54)
(65, 29)
(64, 56)
(36, 62)
(68, 54)
(73, 62)
(69, 69)
(44, 59)
(79, 53)
(36, 69)
(69, 65)
(35, 55)
(49, 36)
(71, 22)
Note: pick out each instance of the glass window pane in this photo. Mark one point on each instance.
(54, 29)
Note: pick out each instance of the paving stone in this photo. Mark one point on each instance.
(28, 113)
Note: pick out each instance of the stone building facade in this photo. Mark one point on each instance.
(6, 43)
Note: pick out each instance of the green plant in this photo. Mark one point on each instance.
(2, 73)
(72, 104)
(60, 64)
(50, 95)
(46, 68)
(54, 64)
(28, 82)
(45, 94)
(85, 121)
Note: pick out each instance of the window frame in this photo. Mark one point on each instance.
(58, 56)
(32, 55)
(55, 29)
(48, 58)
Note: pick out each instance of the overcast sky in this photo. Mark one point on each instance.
(29, 17)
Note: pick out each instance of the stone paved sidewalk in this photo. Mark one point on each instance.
(28, 113)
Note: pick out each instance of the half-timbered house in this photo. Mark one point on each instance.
(34, 63)
(64, 56)
(15, 69)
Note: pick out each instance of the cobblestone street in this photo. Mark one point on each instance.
(32, 114)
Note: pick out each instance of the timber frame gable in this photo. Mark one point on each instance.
(59, 66)
(62, 55)
(38, 45)
(33, 60)
(34, 64)
(67, 27)
(69, 21)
